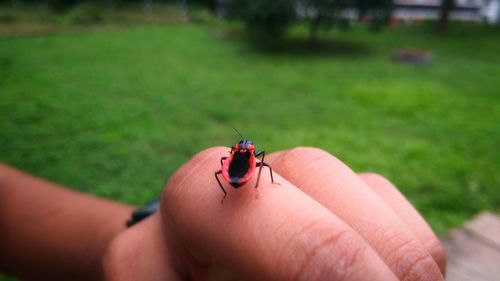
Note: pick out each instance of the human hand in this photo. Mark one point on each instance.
(323, 222)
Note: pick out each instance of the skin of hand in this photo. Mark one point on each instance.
(322, 222)
(49, 232)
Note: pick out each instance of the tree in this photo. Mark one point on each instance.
(271, 19)
(323, 14)
(376, 12)
(263, 18)
(444, 15)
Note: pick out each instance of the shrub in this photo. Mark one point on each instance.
(86, 13)
(268, 20)
(60, 5)
(376, 12)
(7, 17)
(264, 18)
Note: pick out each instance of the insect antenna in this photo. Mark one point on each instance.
(242, 138)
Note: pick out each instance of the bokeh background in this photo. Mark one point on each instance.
(111, 97)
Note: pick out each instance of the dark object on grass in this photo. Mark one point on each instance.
(413, 56)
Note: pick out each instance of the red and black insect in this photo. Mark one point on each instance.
(239, 166)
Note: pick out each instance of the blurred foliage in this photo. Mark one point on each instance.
(36, 20)
(271, 19)
(64, 5)
(86, 13)
(324, 14)
(7, 16)
(60, 5)
(377, 12)
(264, 19)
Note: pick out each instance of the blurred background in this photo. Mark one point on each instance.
(110, 97)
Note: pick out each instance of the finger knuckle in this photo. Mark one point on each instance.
(376, 179)
(436, 250)
(420, 267)
(372, 176)
(305, 153)
(331, 256)
(411, 261)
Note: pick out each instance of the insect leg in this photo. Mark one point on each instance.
(261, 164)
(260, 169)
(259, 153)
(222, 160)
(220, 184)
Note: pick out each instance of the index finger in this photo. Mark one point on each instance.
(281, 235)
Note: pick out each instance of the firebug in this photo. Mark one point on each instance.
(239, 167)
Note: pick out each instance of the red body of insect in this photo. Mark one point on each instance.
(239, 166)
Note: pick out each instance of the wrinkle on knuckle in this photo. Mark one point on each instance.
(319, 264)
(330, 256)
(410, 261)
(436, 250)
(415, 266)
(388, 239)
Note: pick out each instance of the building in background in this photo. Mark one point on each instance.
(464, 10)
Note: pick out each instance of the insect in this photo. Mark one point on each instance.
(239, 166)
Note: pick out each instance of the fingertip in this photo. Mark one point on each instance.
(273, 157)
(175, 187)
(388, 192)
(309, 157)
(376, 181)
(190, 167)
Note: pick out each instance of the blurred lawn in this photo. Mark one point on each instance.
(115, 111)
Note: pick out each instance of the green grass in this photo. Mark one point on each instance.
(115, 111)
